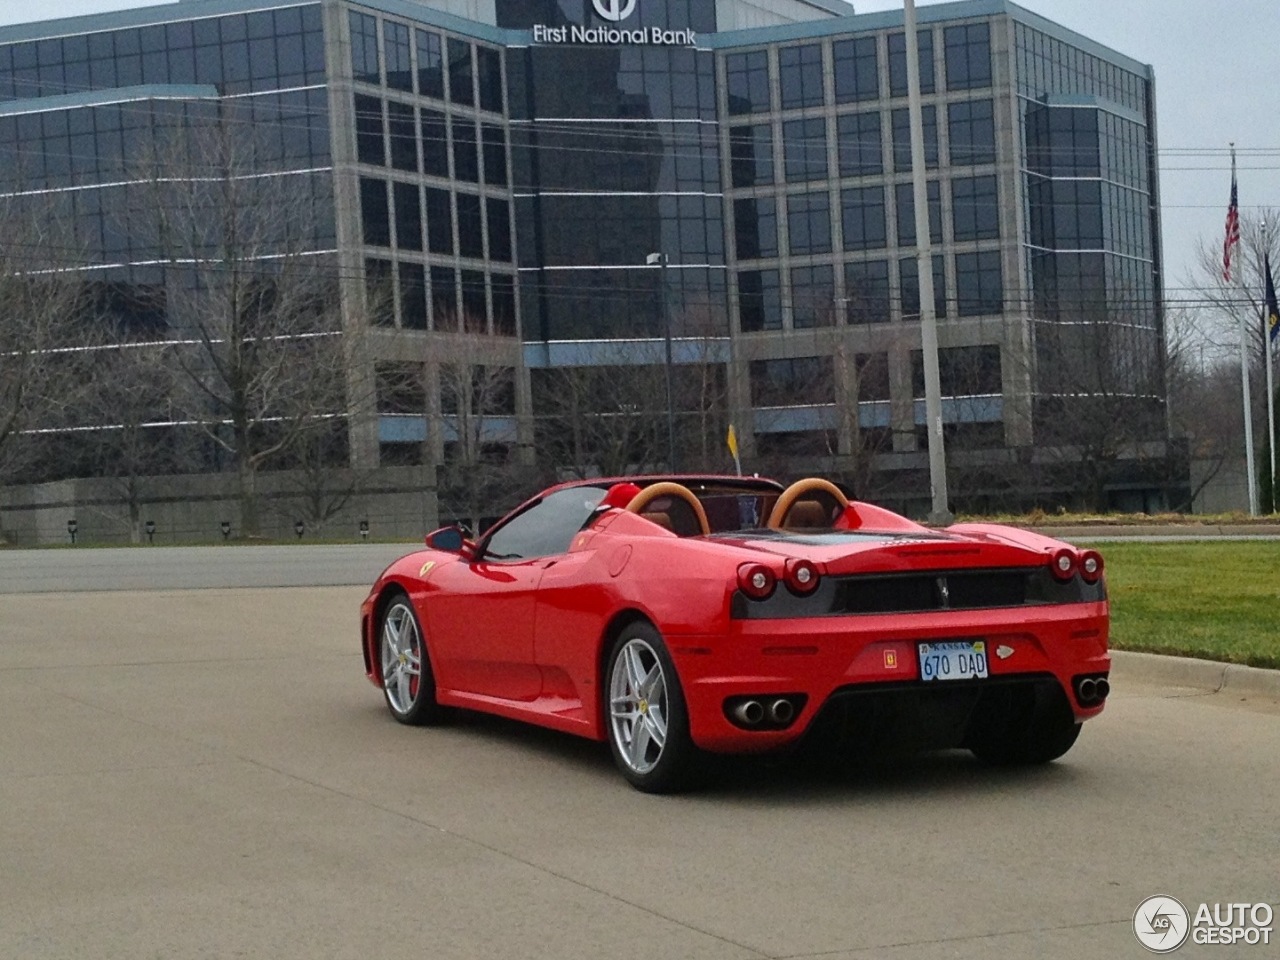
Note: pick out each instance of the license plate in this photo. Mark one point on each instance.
(953, 660)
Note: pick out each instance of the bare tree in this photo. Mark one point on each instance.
(41, 326)
(256, 316)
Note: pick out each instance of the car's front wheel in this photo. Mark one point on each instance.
(648, 720)
(407, 681)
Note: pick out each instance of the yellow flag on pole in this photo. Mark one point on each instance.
(732, 440)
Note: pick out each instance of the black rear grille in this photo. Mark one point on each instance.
(922, 592)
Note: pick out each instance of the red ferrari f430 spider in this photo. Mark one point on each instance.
(680, 614)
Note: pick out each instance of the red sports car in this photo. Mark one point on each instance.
(673, 615)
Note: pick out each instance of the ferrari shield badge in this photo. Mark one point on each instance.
(426, 568)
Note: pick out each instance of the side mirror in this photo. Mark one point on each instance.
(452, 540)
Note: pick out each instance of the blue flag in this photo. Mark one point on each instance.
(1273, 311)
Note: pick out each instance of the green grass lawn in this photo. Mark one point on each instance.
(1217, 600)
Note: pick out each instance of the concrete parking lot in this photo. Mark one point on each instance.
(206, 773)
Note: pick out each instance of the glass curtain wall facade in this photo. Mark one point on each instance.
(494, 194)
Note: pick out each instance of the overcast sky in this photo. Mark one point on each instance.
(1216, 67)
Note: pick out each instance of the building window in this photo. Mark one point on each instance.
(856, 69)
(909, 287)
(792, 381)
(403, 126)
(470, 227)
(971, 130)
(461, 76)
(439, 220)
(962, 371)
(858, 139)
(905, 202)
(898, 62)
(800, 76)
(866, 291)
(809, 223)
(430, 64)
(975, 212)
(804, 146)
(399, 61)
(498, 216)
(379, 292)
(408, 205)
(968, 55)
(759, 300)
(413, 297)
(495, 155)
(748, 78)
(489, 78)
(374, 214)
(370, 146)
(466, 155)
(871, 372)
(862, 214)
(503, 288)
(475, 308)
(900, 120)
(365, 66)
(444, 299)
(751, 155)
(755, 227)
(979, 284)
(435, 144)
(813, 296)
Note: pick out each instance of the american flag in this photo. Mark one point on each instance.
(1233, 229)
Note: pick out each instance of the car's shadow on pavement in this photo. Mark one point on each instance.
(812, 773)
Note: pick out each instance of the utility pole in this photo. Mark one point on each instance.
(940, 512)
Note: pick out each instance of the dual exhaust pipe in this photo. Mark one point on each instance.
(764, 713)
(1091, 691)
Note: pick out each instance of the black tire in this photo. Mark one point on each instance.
(402, 648)
(1027, 726)
(633, 717)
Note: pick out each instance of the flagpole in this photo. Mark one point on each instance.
(1266, 360)
(1244, 380)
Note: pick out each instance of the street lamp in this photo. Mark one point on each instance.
(660, 260)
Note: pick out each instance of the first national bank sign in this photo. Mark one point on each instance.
(614, 11)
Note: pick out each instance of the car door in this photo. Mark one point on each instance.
(483, 609)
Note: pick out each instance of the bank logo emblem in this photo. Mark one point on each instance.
(1161, 924)
(614, 10)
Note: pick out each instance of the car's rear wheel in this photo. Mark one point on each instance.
(648, 720)
(1031, 725)
(407, 681)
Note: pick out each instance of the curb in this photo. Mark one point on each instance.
(1209, 675)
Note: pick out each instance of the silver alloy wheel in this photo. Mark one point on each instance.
(401, 657)
(638, 705)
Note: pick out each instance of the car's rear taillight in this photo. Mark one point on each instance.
(756, 580)
(801, 577)
(1063, 564)
(1091, 566)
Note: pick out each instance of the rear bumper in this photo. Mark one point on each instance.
(826, 658)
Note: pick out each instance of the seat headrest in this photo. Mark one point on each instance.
(807, 515)
(660, 517)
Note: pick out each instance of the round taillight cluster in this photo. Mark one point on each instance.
(756, 580)
(1063, 564)
(802, 577)
(1091, 566)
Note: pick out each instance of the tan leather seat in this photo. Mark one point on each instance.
(807, 515)
(661, 518)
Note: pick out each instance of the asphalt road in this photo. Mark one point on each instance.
(207, 774)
